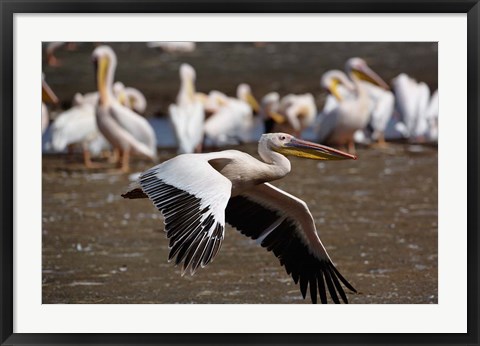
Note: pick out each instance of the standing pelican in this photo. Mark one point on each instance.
(199, 193)
(415, 107)
(77, 125)
(127, 131)
(234, 121)
(383, 105)
(187, 115)
(352, 113)
(432, 117)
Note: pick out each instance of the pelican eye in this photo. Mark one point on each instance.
(282, 138)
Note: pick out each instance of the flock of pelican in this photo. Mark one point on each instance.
(198, 193)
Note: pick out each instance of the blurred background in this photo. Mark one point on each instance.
(377, 216)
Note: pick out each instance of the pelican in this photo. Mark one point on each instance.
(90, 98)
(188, 115)
(352, 113)
(269, 107)
(234, 121)
(415, 107)
(77, 125)
(299, 110)
(432, 117)
(127, 131)
(383, 105)
(47, 96)
(199, 193)
(129, 97)
(136, 99)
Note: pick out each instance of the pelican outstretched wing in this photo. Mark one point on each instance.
(283, 224)
(192, 196)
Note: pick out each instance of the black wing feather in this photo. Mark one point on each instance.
(255, 220)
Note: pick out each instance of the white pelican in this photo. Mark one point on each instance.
(234, 121)
(136, 99)
(129, 97)
(47, 96)
(77, 125)
(269, 107)
(432, 117)
(299, 110)
(383, 105)
(413, 103)
(90, 98)
(213, 101)
(352, 113)
(127, 131)
(188, 115)
(199, 193)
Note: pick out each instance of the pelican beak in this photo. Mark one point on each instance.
(102, 67)
(333, 89)
(309, 150)
(131, 100)
(122, 98)
(367, 74)
(278, 118)
(47, 94)
(252, 102)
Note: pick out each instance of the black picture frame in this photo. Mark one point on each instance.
(9, 8)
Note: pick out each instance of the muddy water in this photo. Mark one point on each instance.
(377, 217)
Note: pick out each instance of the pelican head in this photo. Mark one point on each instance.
(187, 72)
(105, 62)
(244, 93)
(358, 68)
(119, 92)
(270, 103)
(288, 145)
(332, 79)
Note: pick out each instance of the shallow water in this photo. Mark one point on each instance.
(377, 217)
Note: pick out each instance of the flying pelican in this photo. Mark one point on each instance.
(234, 121)
(47, 96)
(352, 113)
(188, 115)
(199, 193)
(127, 131)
